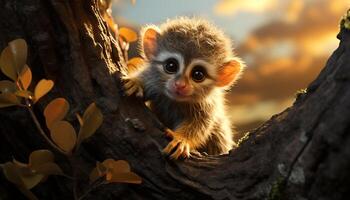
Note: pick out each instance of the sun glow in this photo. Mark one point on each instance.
(231, 7)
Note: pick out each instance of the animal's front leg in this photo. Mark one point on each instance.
(181, 146)
(169, 133)
(133, 85)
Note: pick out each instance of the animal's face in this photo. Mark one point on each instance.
(190, 58)
(182, 80)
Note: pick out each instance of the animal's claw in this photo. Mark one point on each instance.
(132, 86)
(169, 133)
(178, 148)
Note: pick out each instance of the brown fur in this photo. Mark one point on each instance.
(199, 120)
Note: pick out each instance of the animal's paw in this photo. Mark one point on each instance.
(178, 148)
(132, 86)
(169, 133)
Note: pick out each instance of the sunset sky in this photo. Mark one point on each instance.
(285, 44)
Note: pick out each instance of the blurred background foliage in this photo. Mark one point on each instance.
(285, 44)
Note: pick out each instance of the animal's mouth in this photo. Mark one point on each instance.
(178, 96)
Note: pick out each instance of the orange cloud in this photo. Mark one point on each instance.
(294, 9)
(243, 114)
(313, 19)
(284, 56)
(231, 7)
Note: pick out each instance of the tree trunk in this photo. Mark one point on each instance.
(301, 153)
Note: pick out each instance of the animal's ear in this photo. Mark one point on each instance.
(229, 72)
(149, 40)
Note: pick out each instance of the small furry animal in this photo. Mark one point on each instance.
(189, 64)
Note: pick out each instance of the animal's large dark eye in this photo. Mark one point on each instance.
(171, 66)
(198, 74)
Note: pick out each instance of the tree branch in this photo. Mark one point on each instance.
(71, 44)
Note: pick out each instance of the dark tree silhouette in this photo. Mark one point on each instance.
(301, 153)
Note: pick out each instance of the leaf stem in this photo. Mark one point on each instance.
(28, 105)
(37, 124)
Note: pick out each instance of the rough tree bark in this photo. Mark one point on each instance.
(71, 44)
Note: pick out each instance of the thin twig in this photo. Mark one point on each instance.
(28, 105)
(36, 121)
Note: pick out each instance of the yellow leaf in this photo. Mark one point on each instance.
(24, 170)
(92, 120)
(19, 50)
(15, 175)
(134, 64)
(119, 171)
(63, 134)
(11, 173)
(97, 172)
(7, 64)
(49, 168)
(42, 88)
(80, 120)
(94, 175)
(20, 164)
(25, 77)
(121, 166)
(24, 93)
(108, 163)
(31, 180)
(55, 111)
(27, 193)
(101, 168)
(125, 177)
(109, 175)
(7, 86)
(40, 157)
(8, 99)
(128, 34)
